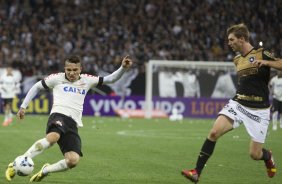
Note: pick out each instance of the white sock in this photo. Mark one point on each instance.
(10, 115)
(37, 148)
(56, 167)
(6, 116)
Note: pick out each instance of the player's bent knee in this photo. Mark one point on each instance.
(72, 159)
(52, 137)
(255, 156)
(213, 135)
(72, 162)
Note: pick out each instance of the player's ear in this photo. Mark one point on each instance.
(242, 39)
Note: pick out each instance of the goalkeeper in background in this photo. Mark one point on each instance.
(69, 90)
(250, 105)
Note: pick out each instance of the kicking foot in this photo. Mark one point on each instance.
(39, 176)
(10, 172)
(270, 166)
(192, 175)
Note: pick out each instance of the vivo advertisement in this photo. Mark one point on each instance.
(106, 105)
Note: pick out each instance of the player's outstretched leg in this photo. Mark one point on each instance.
(192, 175)
(47, 168)
(40, 175)
(270, 166)
(205, 154)
(10, 172)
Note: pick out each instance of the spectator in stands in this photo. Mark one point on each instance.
(42, 33)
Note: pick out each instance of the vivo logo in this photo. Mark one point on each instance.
(74, 90)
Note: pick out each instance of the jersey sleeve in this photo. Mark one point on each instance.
(92, 80)
(50, 81)
(267, 55)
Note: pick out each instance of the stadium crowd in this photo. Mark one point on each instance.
(36, 35)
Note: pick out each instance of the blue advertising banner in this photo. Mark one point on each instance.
(106, 105)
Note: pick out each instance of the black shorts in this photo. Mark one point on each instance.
(66, 127)
(276, 106)
(6, 101)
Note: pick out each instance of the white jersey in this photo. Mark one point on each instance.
(276, 85)
(68, 97)
(9, 86)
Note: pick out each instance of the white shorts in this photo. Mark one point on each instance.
(256, 121)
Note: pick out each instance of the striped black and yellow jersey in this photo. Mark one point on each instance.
(252, 90)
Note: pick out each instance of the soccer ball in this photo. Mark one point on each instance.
(23, 165)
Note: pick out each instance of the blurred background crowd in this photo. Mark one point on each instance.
(36, 35)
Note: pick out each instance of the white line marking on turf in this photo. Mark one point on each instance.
(175, 135)
(20, 131)
(157, 134)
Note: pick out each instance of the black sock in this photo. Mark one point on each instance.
(265, 154)
(206, 152)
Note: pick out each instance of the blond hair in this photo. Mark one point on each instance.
(239, 30)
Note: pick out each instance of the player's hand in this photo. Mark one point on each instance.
(260, 63)
(126, 62)
(21, 113)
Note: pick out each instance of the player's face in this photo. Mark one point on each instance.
(235, 43)
(72, 71)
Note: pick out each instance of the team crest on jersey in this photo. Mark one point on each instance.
(74, 90)
(251, 59)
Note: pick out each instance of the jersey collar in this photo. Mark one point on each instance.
(69, 80)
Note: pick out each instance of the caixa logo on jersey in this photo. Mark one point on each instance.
(74, 90)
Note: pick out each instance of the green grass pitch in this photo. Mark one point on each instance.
(139, 151)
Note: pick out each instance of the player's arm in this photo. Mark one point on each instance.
(270, 86)
(30, 95)
(116, 75)
(2, 85)
(277, 64)
(269, 60)
(17, 85)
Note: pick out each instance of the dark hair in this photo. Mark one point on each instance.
(239, 30)
(73, 59)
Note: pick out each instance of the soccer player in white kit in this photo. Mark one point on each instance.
(9, 86)
(275, 85)
(69, 90)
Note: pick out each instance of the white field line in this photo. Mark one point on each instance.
(171, 135)
(20, 131)
(158, 134)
